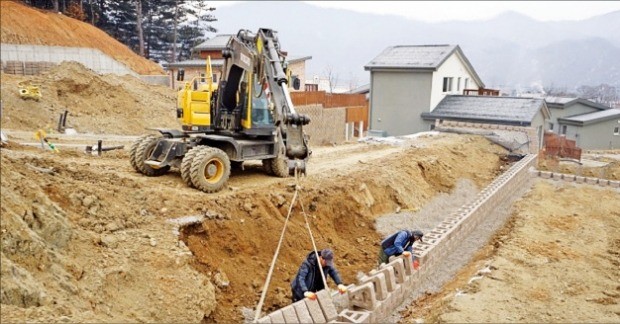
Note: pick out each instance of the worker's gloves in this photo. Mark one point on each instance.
(310, 295)
(342, 288)
(416, 264)
(406, 254)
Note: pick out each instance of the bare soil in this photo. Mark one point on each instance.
(21, 24)
(87, 239)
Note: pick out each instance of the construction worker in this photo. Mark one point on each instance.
(398, 243)
(308, 280)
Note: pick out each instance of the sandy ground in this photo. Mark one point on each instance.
(87, 239)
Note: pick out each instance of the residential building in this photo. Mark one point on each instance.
(408, 80)
(598, 130)
(514, 111)
(196, 66)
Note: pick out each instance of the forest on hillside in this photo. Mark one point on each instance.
(163, 30)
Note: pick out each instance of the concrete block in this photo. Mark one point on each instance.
(315, 311)
(545, 174)
(351, 316)
(363, 296)
(327, 305)
(303, 314)
(264, 320)
(390, 277)
(379, 282)
(592, 181)
(399, 270)
(569, 177)
(614, 184)
(277, 317)
(603, 182)
(290, 316)
(579, 179)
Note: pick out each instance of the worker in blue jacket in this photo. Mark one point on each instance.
(308, 280)
(398, 243)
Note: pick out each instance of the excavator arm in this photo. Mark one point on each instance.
(260, 53)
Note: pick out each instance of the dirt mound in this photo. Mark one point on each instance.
(96, 104)
(109, 254)
(21, 24)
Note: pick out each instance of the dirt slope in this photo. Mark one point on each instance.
(21, 24)
(92, 241)
(96, 103)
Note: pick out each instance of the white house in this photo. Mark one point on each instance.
(408, 80)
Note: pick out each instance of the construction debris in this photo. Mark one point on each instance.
(27, 90)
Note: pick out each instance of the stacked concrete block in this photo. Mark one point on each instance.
(379, 293)
(575, 178)
(349, 316)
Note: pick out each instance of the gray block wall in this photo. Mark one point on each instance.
(327, 126)
(92, 58)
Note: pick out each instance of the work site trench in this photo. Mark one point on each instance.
(349, 210)
(85, 238)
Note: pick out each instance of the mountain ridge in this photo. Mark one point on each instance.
(501, 49)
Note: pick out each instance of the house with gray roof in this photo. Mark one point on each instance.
(408, 80)
(513, 111)
(598, 130)
(569, 106)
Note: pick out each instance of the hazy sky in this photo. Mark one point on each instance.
(435, 11)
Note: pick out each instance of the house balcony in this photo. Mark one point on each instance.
(481, 92)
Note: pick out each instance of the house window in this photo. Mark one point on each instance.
(450, 84)
(458, 84)
(445, 84)
(466, 85)
(550, 126)
(563, 129)
(214, 78)
(616, 131)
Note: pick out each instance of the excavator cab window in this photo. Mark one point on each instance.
(261, 112)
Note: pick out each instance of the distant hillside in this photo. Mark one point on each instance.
(20, 24)
(508, 51)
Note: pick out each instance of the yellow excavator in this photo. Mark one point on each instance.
(248, 115)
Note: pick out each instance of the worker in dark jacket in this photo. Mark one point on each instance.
(398, 243)
(308, 280)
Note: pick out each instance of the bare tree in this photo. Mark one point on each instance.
(55, 4)
(139, 26)
(332, 78)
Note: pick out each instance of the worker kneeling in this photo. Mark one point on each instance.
(308, 280)
(399, 243)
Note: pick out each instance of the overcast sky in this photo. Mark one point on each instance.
(436, 11)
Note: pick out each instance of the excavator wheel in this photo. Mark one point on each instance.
(142, 152)
(279, 166)
(186, 166)
(267, 166)
(210, 169)
(132, 152)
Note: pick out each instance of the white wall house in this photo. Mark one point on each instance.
(408, 80)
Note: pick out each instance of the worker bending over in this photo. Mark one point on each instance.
(308, 280)
(398, 243)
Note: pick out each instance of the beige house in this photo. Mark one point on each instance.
(196, 66)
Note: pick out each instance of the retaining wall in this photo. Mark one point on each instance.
(534, 141)
(577, 179)
(34, 59)
(327, 126)
(378, 293)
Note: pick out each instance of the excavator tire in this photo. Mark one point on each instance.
(267, 166)
(133, 149)
(186, 166)
(143, 152)
(279, 166)
(210, 169)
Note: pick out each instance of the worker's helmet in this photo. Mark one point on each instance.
(417, 234)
